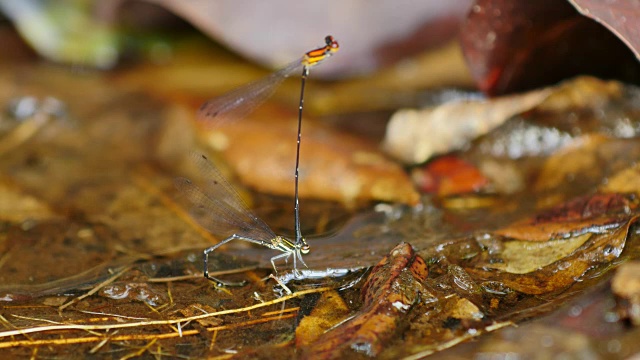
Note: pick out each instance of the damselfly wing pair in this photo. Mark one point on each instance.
(220, 209)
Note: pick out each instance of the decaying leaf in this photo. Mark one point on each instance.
(522, 257)
(329, 311)
(599, 249)
(334, 165)
(389, 293)
(591, 213)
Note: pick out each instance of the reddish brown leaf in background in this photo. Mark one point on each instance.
(619, 16)
(517, 45)
(580, 215)
(449, 175)
(389, 293)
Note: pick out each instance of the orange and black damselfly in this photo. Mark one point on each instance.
(221, 210)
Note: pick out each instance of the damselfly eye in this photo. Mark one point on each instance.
(305, 249)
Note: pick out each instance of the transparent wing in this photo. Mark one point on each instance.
(238, 103)
(220, 209)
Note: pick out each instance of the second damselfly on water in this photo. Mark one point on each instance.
(219, 208)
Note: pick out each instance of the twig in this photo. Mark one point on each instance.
(155, 322)
(141, 351)
(269, 313)
(132, 337)
(201, 276)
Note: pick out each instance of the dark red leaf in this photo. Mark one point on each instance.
(514, 45)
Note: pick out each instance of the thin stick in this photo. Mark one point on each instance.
(156, 322)
(294, 309)
(199, 275)
(141, 351)
(133, 337)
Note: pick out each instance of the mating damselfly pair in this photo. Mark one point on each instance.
(219, 208)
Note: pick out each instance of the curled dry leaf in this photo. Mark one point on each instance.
(389, 293)
(414, 136)
(334, 166)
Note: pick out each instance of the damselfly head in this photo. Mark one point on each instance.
(332, 44)
(304, 248)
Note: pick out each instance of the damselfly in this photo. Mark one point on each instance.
(222, 211)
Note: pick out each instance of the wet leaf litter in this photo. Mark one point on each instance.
(145, 294)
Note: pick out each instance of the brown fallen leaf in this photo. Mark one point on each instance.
(389, 293)
(599, 250)
(522, 257)
(329, 311)
(334, 165)
(591, 213)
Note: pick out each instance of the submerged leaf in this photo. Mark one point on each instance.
(594, 213)
(521, 257)
(599, 249)
(329, 311)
